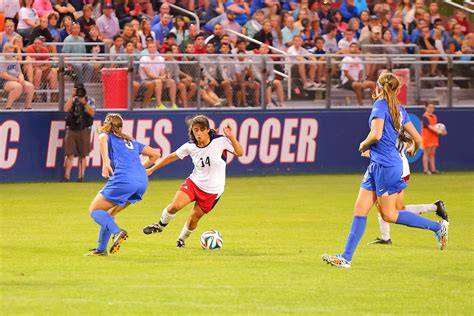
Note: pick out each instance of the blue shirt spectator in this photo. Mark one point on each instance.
(348, 10)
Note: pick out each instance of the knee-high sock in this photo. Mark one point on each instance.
(104, 237)
(185, 232)
(105, 220)
(421, 208)
(357, 230)
(166, 217)
(384, 227)
(415, 220)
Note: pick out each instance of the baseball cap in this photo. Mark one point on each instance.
(107, 6)
(373, 17)
(376, 29)
(326, 2)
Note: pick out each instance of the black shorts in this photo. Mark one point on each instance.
(347, 85)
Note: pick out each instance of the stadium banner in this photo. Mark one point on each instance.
(275, 141)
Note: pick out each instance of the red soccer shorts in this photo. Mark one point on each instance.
(206, 201)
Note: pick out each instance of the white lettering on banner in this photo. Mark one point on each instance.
(288, 139)
(248, 130)
(307, 140)
(9, 133)
(163, 127)
(233, 125)
(142, 130)
(271, 129)
(54, 142)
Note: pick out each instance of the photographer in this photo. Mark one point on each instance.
(80, 110)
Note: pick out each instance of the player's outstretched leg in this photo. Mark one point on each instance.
(161, 224)
(439, 228)
(185, 233)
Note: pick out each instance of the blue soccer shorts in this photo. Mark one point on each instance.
(121, 192)
(383, 180)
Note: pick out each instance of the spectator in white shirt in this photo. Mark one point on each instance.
(345, 42)
(352, 74)
(303, 55)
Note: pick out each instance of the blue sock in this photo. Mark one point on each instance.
(357, 230)
(414, 220)
(104, 237)
(105, 220)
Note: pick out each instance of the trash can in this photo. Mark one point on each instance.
(115, 88)
(404, 75)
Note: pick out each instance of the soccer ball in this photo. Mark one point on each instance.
(442, 128)
(212, 240)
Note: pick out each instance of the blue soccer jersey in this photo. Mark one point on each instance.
(129, 181)
(125, 159)
(385, 151)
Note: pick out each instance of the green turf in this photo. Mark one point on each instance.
(275, 230)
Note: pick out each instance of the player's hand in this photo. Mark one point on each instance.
(107, 171)
(227, 131)
(411, 150)
(363, 147)
(366, 154)
(149, 172)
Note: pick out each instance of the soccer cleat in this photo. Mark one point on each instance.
(442, 235)
(118, 239)
(95, 252)
(180, 243)
(380, 241)
(441, 209)
(153, 228)
(337, 261)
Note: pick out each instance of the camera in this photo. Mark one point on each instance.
(80, 90)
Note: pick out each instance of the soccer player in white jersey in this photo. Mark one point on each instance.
(437, 206)
(206, 183)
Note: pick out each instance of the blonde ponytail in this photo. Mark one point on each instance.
(388, 88)
(113, 124)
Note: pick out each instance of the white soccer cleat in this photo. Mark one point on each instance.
(337, 261)
(442, 235)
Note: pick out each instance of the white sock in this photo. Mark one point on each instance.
(166, 217)
(421, 208)
(384, 227)
(185, 232)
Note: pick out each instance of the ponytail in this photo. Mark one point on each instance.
(388, 88)
(113, 124)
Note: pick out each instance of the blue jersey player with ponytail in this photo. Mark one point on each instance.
(383, 179)
(127, 180)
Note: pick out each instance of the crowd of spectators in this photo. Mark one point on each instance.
(309, 29)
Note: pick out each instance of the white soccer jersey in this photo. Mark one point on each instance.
(209, 163)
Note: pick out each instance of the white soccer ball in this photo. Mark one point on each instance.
(441, 128)
(211, 240)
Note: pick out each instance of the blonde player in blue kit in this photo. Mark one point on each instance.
(127, 180)
(206, 183)
(383, 179)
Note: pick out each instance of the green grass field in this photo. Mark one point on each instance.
(275, 230)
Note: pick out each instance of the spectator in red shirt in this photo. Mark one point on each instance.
(199, 46)
(462, 20)
(42, 72)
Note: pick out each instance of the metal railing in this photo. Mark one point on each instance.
(61, 62)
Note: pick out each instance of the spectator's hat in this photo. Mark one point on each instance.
(229, 11)
(377, 29)
(149, 38)
(107, 6)
(373, 17)
(326, 2)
